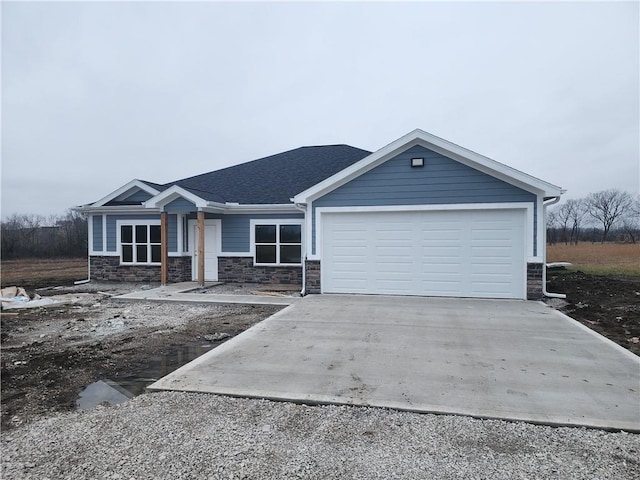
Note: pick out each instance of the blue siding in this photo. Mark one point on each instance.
(236, 232)
(172, 227)
(139, 196)
(180, 205)
(112, 227)
(97, 233)
(441, 181)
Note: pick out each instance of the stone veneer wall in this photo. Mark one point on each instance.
(242, 270)
(534, 281)
(109, 269)
(312, 282)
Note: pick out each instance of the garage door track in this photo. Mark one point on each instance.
(507, 359)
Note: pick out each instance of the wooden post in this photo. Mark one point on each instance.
(201, 248)
(164, 248)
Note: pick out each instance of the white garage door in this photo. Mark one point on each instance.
(470, 253)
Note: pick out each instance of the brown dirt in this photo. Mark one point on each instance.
(610, 305)
(50, 354)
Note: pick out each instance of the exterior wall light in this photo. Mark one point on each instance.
(417, 162)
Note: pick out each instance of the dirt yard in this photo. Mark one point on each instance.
(609, 304)
(50, 354)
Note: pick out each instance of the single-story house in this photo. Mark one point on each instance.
(420, 216)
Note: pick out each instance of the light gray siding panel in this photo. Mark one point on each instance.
(441, 181)
(172, 230)
(236, 232)
(180, 205)
(97, 233)
(112, 227)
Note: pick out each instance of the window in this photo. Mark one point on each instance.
(140, 244)
(278, 243)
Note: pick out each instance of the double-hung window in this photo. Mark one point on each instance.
(140, 243)
(277, 243)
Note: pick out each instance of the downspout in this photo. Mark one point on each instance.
(552, 201)
(303, 208)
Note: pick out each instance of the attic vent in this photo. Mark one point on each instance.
(417, 162)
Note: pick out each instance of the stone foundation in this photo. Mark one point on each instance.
(180, 269)
(242, 270)
(534, 281)
(109, 269)
(312, 281)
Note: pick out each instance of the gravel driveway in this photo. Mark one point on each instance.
(181, 435)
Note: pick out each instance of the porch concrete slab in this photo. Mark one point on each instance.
(506, 359)
(185, 292)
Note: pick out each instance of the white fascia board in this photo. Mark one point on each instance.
(173, 193)
(261, 208)
(115, 210)
(123, 189)
(439, 145)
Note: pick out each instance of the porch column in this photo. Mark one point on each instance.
(200, 248)
(164, 248)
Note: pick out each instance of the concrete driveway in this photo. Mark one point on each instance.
(505, 359)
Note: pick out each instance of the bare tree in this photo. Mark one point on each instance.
(552, 224)
(631, 221)
(607, 207)
(563, 216)
(28, 235)
(576, 212)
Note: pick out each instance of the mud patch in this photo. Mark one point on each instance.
(49, 355)
(609, 305)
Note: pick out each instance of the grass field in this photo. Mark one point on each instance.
(42, 272)
(598, 259)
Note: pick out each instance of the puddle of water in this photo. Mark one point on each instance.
(108, 391)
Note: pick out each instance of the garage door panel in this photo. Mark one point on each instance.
(477, 253)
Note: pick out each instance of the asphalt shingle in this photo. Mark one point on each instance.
(274, 179)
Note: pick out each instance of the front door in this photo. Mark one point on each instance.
(210, 251)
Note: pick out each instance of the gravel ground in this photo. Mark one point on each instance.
(191, 436)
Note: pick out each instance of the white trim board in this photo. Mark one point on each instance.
(123, 189)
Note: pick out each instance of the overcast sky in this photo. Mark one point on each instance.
(97, 94)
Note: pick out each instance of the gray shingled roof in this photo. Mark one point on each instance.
(274, 179)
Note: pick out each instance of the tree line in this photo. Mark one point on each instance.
(30, 235)
(608, 215)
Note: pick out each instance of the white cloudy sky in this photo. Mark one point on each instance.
(96, 94)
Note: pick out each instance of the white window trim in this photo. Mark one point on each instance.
(277, 222)
(133, 223)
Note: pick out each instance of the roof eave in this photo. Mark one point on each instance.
(128, 186)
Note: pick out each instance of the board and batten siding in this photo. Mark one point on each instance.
(96, 240)
(180, 205)
(137, 197)
(172, 233)
(441, 181)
